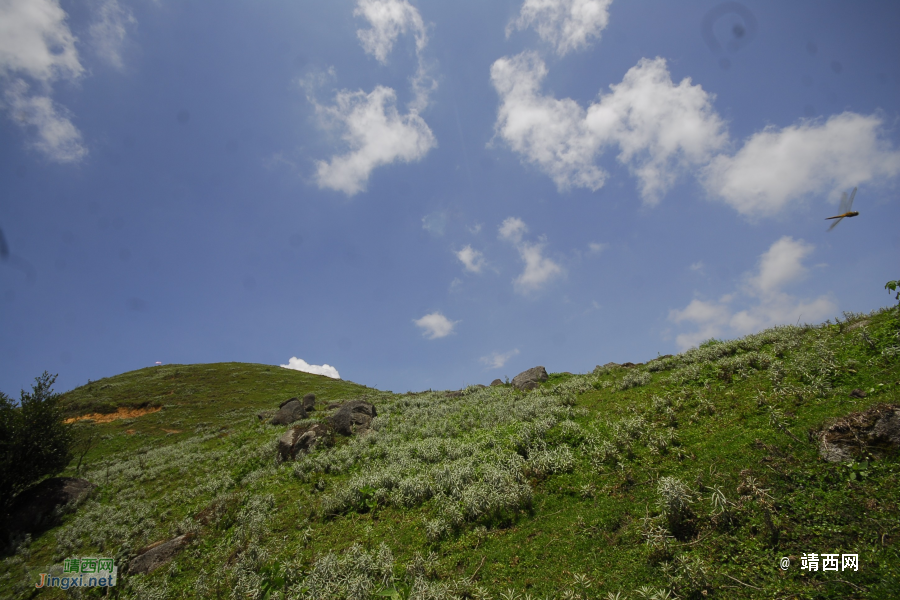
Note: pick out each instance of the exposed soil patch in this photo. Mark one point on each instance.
(172, 430)
(121, 413)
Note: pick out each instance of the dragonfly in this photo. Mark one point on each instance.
(844, 209)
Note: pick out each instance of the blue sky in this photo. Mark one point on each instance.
(421, 195)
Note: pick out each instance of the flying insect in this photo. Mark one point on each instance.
(844, 209)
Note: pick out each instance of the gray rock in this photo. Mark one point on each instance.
(496, 382)
(480, 386)
(156, 555)
(353, 416)
(857, 393)
(290, 411)
(875, 431)
(530, 379)
(37, 507)
(309, 402)
(302, 439)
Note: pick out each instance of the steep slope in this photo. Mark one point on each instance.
(691, 476)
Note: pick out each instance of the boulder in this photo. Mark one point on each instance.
(309, 402)
(481, 386)
(875, 431)
(35, 509)
(857, 393)
(496, 382)
(156, 555)
(454, 394)
(302, 439)
(530, 379)
(290, 411)
(352, 416)
(628, 365)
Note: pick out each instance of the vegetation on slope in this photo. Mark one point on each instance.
(689, 476)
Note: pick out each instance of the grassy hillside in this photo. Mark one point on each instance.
(689, 476)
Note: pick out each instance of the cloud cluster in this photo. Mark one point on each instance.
(538, 268)
(496, 360)
(374, 130)
(566, 24)
(472, 260)
(36, 42)
(376, 133)
(780, 266)
(435, 325)
(298, 364)
(776, 167)
(660, 128)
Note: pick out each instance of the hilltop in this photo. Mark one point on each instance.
(689, 476)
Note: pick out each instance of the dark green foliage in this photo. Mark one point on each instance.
(34, 441)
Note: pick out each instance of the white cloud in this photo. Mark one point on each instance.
(496, 360)
(435, 325)
(538, 268)
(661, 128)
(108, 31)
(472, 259)
(474, 229)
(389, 19)
(567, 24)
(376, 134)
(781, 265)
(57, 137)
(35, 40)
(298, 364)
(776, 167)
(596, 247)
(511, 230)
(697, 266)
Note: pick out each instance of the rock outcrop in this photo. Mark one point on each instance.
(530, 379)
(156, 555)
(496, 382)
(874, 431)
(38, 508)
(289, 411)
(353, 416)
(303, 439)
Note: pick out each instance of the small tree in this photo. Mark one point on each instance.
(34, 441)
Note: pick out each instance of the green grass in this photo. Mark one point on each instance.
(689, 476)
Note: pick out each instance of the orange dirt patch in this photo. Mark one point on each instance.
(130, 431)
(172, 430)
(122, 413)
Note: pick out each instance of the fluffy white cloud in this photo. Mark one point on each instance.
(775, 167)
(538, 268)
(108, 31)
(567, 24)
(496, 360)
(298, 364)
(511, 230)
(388, 19)
(435, 325)
(377, 135)
(472, 259)
(370, 124)
(35, 40)
(661, 129)
(57, 137)
(780, 266)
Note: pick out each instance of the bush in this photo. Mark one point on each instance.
(34, 441)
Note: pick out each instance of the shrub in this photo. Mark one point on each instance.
(34, 441)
